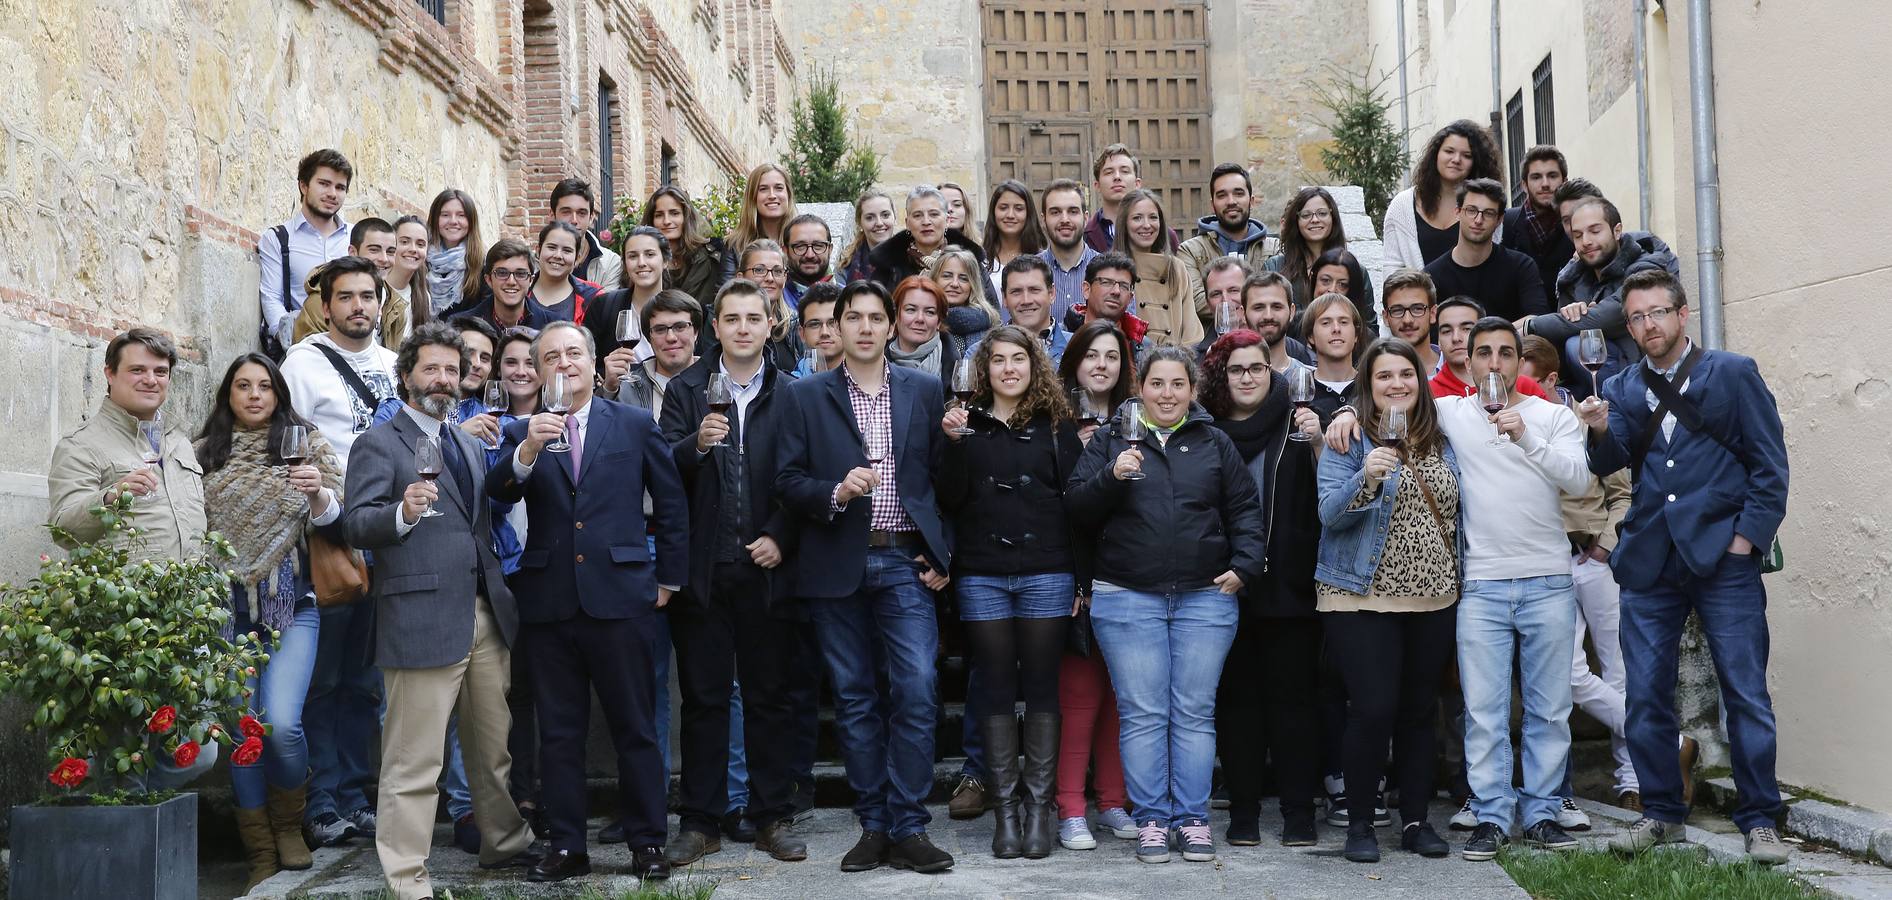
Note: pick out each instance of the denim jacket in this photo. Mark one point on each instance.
(1352, 540)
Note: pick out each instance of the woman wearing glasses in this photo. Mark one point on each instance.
(763, 262)
(1310, 226)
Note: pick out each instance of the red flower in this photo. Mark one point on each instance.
(251, 728)
(186, 754)
(162, 720)
(69, 773)
(248, 752)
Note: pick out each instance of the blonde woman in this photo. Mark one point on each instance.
(874, 223)
(970, 312)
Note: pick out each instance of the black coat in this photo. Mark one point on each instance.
(1290, 509)
(889, 263)
(1195, 514)
(1003, 492)
(685, 405)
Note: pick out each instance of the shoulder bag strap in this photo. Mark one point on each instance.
(282, 239)
(349, 375)
(1668, 398)
(1432, 503)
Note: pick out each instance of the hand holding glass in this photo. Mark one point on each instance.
(1492, 396)
(962, 390)
(1133, 432)
(558, 399)
(1301, 394)
(429, 462)
(720, 398)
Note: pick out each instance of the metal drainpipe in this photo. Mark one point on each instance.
(1497, 101)
(1641, 13)
(1405, 128)
(1701, 96)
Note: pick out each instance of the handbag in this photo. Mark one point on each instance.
(339, 573)
(1079, 640)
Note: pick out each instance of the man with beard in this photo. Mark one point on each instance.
(1062, 207)
(1226, 232)
(1534, 227)
(1267, 309)
(374, 240)
(336, 380)
(810, 247)
(442, 655)
(1456, 316)
(1503, 281)
(314, 235)
(1110, 282)
(1591, 287)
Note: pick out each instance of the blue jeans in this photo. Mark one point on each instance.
(459, 795)
(983, 598)
(971, 736)
(1165, 654)
(886, 742)
(1533, 618)
(343, 712)
(738, 758)
(1732, 605)
(280, 691)
(663, 651)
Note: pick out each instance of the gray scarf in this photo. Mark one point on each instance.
(926, 358)
(446, 273)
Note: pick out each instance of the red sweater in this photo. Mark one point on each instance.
(1446, 384)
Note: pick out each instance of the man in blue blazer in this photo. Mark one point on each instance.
(859, 447)
(1710, 492)
(589, 594)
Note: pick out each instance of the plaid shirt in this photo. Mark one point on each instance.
(1543, 223)
(874, 414)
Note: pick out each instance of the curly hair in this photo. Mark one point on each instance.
(1297, 258)
(1214, 393)
(1426, 183)
(1045, 394)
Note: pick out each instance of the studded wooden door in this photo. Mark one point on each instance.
(1064, 78)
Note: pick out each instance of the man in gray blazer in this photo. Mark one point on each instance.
(445, 620)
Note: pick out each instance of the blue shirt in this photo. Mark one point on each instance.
(308, 248)
(1066, 284)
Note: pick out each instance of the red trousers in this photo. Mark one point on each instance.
(1088, 736)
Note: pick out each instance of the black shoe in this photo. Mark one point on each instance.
(1418, 837)
(736, 826)
(328, 829)
(1484, 842)
(868, 852)
(611, 834)
(648, 864)
(690, 846)
(1244, 830)
(530, 856)
(1548, 835)
(777, 841)
(1297, 828)
(466, 835)
(560, 865)
(919, 854)
(1363, 845)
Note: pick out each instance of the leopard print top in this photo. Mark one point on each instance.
(1416, 572)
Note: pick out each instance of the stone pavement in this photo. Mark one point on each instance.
(1110, 871)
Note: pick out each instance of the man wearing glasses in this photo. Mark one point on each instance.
(818, 329)
(508, 302)
(809, 248)
(1410, 301)
(1701, 435)
(1503, 281)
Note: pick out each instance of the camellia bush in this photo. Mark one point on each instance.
(717, 208)
(127, 662)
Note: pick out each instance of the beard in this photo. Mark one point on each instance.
(436, 400)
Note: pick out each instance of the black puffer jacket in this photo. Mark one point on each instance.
(1195, 514)
(1003, 491)
(1290, 505)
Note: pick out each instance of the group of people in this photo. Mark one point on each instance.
(1178, 496)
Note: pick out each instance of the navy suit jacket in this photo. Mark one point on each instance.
(1693, 495)
(585, 541)
(820, 442)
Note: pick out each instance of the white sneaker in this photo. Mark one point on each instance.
(1382, 817)
(1465, 819)
(1336, 800)
(1117, 822)
(1075, 834)
(1569, 817)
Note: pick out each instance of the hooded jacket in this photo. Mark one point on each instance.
(601, 267)
(1638, 251)
(1254, 247)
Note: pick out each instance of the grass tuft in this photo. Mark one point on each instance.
(1662, 874)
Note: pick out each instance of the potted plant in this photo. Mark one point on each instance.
(132, 677)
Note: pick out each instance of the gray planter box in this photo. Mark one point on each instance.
(127, 852)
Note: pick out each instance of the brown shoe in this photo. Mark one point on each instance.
(259, 845)
(1690, 754)
(970, 799)
(285, 821)
(1630, 800)
(777, 841)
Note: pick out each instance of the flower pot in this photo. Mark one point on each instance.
(127, 852)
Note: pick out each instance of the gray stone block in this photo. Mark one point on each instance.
(128, 852)
(1849, 828)
(945, 62)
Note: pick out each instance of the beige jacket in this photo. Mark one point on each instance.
(1594, 516)
(1166, 291)
(1199, 251)
(102, 452)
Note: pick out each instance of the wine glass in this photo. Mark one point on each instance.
(1227, 317)
(558, 399)
(1592, 352)
(630, 330)
(429, 461)
(810, 362)
(962, 391)
(1301, 394)
(875, 451)
(151, 450)
(1493, 395)
(294, 448)
(721, 397)
(1393, 433)
(1133, 432)
(493, 395)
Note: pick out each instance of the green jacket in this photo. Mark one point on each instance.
(106, 449)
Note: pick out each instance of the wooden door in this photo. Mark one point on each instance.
(1064, 78)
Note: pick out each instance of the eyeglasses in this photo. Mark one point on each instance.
(766, 272)
(512, 274)
(1310, 215)
(1660, 314)
(818, 325)
(811, 247)
(1407, 312)
(679, 328)
(1112, 284)
(1244, 373)
(1479, 215)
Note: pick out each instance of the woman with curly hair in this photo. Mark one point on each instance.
(1015, 569)
(1422, 221)
(1310, 226)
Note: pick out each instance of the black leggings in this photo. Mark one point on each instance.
(1265, 709)
(1392, 664)
(1010, 653)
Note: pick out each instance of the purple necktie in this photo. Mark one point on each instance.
(578, 447)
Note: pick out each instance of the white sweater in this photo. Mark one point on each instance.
(1401, 233)
(1514, 523)
(318, 392)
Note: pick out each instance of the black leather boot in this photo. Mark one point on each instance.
(1001, 758)
(1040, 780)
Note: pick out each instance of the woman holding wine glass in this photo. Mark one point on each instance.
(1002, 485)
(270, 480)
(1388, 574)
(1277, 643)
(1172, 549)
(1099, 374)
